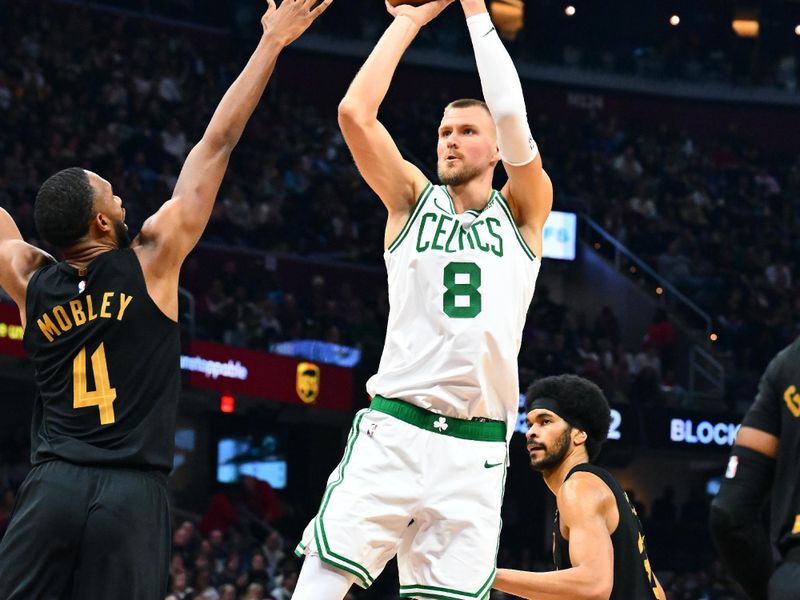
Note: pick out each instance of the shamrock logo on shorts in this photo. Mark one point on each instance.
(441, 424)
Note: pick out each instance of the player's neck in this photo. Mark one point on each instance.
(85, 251)
(555, 478)
(473, 195)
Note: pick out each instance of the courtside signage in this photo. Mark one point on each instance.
(704, 433)
(231, 370)
(213, 368)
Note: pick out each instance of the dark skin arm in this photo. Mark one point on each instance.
(588, 512)
(760, 441)
(169, 235)
(589, 516)
(18, 261)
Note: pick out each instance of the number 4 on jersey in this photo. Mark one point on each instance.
(103, 395)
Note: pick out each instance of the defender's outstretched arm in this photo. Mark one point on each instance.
(178, 225)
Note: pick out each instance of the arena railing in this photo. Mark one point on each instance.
(706, 373)
(622, 258)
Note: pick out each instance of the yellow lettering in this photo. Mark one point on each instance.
(48, 327)
(89, 310)
(77, 312)
(103, 395)
(3, 330)
(123, 304)
(796, 528)
(106, 303)
(792, 399)
(16, 332)
(62, 318)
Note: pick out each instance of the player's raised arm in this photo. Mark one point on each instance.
(583, 504)
(18, 261)
(177, 226)
(528, 190)
(396, 181)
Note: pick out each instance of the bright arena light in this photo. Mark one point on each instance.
(797, 30)
(570, 10)
(674, 20)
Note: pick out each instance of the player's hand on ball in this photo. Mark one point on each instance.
(421, 14)
(287, 22)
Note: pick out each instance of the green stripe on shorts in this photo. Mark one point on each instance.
(480, 431)
(325, 553)
(442, 593)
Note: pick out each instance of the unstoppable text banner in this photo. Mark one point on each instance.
(231, 370)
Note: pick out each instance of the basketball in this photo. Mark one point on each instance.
(410, 2)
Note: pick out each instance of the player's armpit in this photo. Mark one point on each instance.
(529, 192)
(161, 241)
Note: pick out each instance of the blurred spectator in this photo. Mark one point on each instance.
(250, 502)
(664, 509)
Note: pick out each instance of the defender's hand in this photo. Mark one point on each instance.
(421, 15)
(288, 22)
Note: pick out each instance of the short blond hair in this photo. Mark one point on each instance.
(467, 103)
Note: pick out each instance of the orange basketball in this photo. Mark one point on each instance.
(411, 2)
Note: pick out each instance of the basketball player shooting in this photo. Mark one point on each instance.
(92, 517)
(424, 468)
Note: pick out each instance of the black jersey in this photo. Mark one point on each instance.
(633, 575)
(776, 410)
(107, 364)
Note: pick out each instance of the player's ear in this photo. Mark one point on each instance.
(102, 222)
(579, 437)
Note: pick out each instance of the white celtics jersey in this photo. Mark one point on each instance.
(459, 290)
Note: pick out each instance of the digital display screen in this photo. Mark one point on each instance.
(257, 456)
(560, 235)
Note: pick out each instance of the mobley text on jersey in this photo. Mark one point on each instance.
(82, 310)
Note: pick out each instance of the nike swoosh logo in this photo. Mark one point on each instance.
(444, 210)
(488, 32)
(488, 465)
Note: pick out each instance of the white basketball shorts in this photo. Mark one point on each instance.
(425, 487)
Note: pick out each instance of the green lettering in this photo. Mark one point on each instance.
(497, 249)
(461, 235)
(481, 245)
(439, 231)
(420, 247)
(456, 227)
